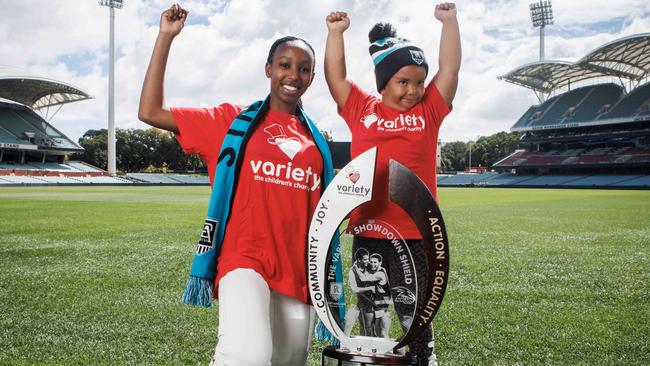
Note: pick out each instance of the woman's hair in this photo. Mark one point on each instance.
(282, 40)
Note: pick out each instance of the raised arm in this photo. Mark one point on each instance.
(446, 80)
(152, 110)
(335, 73)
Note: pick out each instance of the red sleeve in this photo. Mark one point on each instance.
(435, 104)
(356, 106)
(201, 130)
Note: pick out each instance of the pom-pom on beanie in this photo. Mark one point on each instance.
(390, 53)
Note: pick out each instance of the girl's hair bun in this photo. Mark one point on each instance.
(381, 30)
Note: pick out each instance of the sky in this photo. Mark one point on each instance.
(220, 54)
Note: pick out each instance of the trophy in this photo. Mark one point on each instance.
(378, 295)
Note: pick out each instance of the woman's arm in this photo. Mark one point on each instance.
(335, 73)
(152, 110)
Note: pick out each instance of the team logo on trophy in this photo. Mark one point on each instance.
(383, 278)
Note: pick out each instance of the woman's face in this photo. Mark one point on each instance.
(291, 72)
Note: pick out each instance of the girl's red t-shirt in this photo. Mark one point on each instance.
(277, 192)
(409, 137)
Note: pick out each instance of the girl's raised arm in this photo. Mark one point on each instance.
(152, 110)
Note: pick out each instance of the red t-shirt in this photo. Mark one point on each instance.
(278, 188)
(409, 137)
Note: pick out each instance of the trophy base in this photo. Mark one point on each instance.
(343, 357)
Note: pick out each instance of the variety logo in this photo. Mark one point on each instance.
(369, 120)
(284, 174)
(352, 174)
(290, 146)
(409, 123)
(353, 189)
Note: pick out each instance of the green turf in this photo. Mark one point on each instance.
(93, 275)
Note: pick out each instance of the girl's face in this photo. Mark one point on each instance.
(405, 89)
(291, 72)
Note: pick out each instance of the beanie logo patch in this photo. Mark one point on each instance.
(417, 56)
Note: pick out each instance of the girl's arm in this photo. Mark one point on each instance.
(335, 73)
(152, 110)
(446, 80)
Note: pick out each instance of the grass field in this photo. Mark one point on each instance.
(93, 276)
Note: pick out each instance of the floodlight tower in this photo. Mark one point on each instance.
(541, 13)
(112, 5)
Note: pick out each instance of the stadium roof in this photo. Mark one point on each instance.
(627, 58)
(36, 91)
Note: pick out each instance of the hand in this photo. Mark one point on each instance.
(337, 21)
(445, 11)
(172, 20)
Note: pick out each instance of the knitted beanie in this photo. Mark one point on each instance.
(390, 53)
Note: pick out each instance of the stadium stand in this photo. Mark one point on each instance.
(25, 136)
(33, 152)
(583, 135)
(631, 105)
(174, 179)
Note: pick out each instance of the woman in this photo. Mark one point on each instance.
(268, 165)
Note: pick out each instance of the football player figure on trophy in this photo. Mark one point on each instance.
(381, 313)
(361, 285)
(369, 281)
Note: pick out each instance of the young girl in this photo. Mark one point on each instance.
(403, 124)
(268, 165)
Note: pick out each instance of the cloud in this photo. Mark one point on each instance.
(219, 56)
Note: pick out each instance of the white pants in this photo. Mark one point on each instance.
(260, 327)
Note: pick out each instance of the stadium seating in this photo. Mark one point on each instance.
(630, 104)
(466, 179)
(576, 157)
(511, 159)
(635, 181)
(532, 114)
(600, 180)
(83, 167)
(492, 179)
(29, 128)
(152, 178)
(556, 111)
(605, 94)
(13, 125)
(550, 180)
(587, 104)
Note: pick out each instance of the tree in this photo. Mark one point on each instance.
(327, 135)
(138, 150)
(486, 151)
(94, 142)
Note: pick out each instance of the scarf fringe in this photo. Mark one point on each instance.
(323, 334)
(198, 292)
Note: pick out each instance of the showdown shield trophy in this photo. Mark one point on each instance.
(351, 188)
